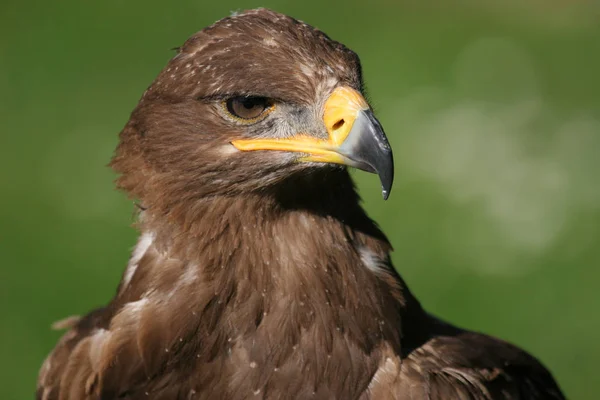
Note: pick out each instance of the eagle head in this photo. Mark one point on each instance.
(247, 104)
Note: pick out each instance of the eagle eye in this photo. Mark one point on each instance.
(249, 108)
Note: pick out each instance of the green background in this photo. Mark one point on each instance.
(492, 108)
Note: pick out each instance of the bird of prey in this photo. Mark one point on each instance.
(257, 273)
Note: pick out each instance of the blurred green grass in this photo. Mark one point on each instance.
(493, 110)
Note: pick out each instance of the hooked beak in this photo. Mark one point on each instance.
(356, 139)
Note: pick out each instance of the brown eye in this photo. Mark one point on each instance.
(248, 108)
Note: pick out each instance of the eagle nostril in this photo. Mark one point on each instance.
(338, 124)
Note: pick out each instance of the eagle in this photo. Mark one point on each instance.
(257, 273)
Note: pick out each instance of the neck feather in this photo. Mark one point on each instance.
(230, 268)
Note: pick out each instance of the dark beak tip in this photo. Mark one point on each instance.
(385, 171)
(386, 185)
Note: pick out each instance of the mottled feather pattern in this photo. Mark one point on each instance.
(255, 276)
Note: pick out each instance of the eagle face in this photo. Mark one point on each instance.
(254, 100)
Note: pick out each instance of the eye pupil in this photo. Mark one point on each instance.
(248, 108)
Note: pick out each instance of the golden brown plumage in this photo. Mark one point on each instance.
(258, 274)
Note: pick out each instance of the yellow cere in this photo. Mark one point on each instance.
(341, 109)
